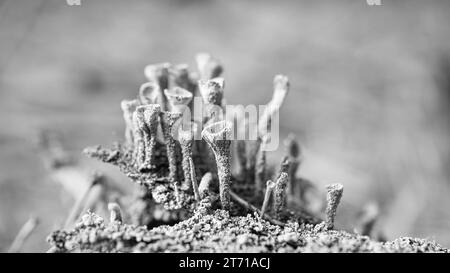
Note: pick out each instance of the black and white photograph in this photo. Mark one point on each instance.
(236, 127)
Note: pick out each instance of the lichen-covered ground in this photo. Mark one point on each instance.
(218, 232)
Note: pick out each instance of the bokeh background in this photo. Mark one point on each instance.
(370, 98)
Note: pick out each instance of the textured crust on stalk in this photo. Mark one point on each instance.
(280, 194)
(151, 117)
(139, 137)
(334, 194)
(168, 120)
(217, 135)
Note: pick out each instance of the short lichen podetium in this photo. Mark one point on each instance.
(186, 138)
(128, 108)
(218, 137)
(115, 213)
(334, 194)
(151, 118)
(159, 75)
(280, 194)
(269, 188)
(208, 66)
(178, 99)
(168, 120)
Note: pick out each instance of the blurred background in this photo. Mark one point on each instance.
(370, 96)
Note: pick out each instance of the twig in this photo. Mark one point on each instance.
(246, 204)
(269, 188)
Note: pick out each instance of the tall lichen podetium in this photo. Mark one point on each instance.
(218, 135)
(168, 120)
(334, 194)
(280, 194)
(186, 137)
(212, 93)
(151, 118)
(128, 108)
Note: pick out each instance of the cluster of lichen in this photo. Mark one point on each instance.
(191, 181)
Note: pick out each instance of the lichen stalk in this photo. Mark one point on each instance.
(168, 120)
(280, 194)
(217, 135)
(151, 116)
(186, 137)
(334, 194)
(128, 107)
